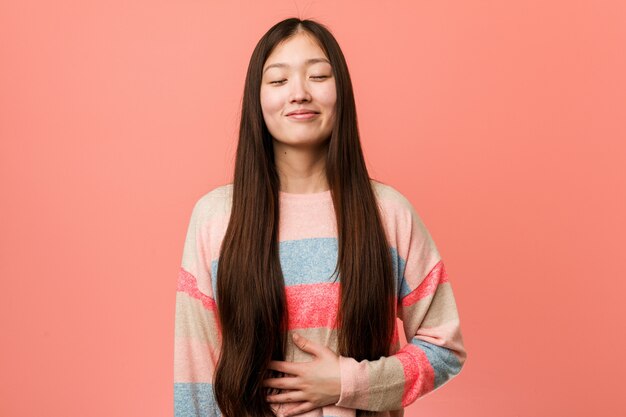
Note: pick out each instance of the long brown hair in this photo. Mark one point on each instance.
(250, 286)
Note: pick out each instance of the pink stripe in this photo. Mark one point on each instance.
(312, 305)
(316, 305)
(396, 334)
(187, 283)
(436, 276)
(419, 374)
(309, 305)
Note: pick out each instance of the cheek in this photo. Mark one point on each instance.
(270, 103)
(328, 95)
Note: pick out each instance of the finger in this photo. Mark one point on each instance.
(283, 366)
(286, 397)
(307, 406)
(283, 383)
(307, 345)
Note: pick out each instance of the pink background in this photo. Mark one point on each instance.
(502, 121)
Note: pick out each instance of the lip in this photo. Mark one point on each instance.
(301, 111)
(303, 116)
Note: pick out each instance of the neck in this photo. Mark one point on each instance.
(301, 170)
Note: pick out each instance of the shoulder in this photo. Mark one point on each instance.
(399, 213)
(406, 226)
(214, 202)
(391, 199)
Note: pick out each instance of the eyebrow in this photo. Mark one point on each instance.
(307, 62)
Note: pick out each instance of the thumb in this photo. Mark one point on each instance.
(306, 345)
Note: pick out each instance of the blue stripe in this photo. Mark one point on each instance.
(443, 361)
(400, 265)
(195, 399)
(308, 261)
(312, 261)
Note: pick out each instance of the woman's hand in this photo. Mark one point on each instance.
(313, 384)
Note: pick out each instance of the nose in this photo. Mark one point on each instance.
(299, 91)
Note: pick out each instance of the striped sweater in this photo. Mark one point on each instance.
(308, 254)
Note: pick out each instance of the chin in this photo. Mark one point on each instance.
(300, 141)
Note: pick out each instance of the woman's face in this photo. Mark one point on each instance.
(297, 75)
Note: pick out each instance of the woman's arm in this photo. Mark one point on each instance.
(434, 353)
(197, 334)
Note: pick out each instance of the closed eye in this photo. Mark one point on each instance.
(317, 77)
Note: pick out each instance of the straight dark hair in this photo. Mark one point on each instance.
(250, 285)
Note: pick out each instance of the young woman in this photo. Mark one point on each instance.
(304, 243)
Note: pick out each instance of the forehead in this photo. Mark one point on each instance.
(301, 49)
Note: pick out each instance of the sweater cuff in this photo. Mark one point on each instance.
(354, 383)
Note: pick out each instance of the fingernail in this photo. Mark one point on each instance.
(296, 335)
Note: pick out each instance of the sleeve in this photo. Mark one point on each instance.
(426, 305)
(197, 335)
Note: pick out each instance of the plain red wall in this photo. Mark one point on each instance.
(502, 121)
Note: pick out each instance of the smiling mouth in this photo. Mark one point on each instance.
(302, 112)
(302, 116)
